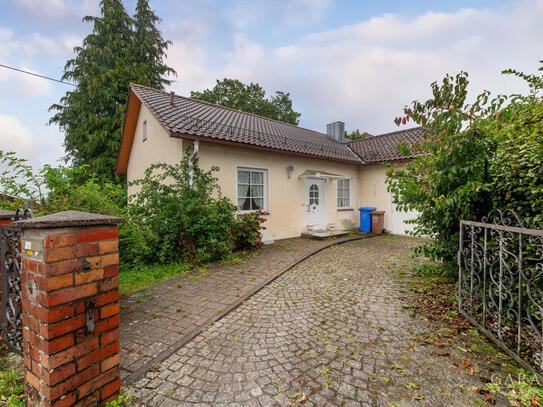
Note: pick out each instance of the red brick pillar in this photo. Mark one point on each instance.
(70, 289)
(5, 216)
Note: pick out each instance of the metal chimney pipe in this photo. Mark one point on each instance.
(172, 103)
(336, 131)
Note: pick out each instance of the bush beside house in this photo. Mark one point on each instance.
(168, 222)
(476, 157)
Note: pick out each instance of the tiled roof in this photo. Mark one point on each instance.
(202, 119)
(197, 118)
(373, 149)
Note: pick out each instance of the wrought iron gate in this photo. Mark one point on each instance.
(501, 284)
(10, 257)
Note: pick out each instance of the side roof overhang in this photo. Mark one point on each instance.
(129, 129)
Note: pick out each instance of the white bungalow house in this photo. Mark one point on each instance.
(302, 179)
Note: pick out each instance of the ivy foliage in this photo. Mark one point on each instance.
(474, 157)
(250, 98)
(516, 167)
(120, 50)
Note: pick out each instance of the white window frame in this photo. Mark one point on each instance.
(350, 205)
(144, 130)
(266, 191)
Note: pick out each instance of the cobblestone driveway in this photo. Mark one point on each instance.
(336, 329)
(155, 321)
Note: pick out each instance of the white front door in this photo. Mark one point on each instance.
(315, 203)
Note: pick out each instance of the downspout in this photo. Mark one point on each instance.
(196, 147)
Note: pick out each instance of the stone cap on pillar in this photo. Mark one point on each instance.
(68, 219)
(4, 214)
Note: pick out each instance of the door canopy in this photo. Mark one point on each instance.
(321, 175)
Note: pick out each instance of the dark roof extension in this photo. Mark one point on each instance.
(198, 120)
(383, 148)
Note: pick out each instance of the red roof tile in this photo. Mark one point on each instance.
(190, 117)
(383, 147)
(198, 118)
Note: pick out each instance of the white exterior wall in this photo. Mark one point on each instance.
(397, 220)
(286, 196)
(373, 193)
(158, 148)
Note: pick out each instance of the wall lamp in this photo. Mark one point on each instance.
(290, 170)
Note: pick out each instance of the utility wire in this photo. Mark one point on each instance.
(35, 74)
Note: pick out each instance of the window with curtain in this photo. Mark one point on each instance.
(344, 193)
(251, 189)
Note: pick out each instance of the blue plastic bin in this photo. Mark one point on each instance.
(365, 219)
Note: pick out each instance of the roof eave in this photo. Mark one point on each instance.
(129, 128)
(256, 147)
(395, 161)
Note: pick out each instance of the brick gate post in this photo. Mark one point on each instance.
(5, 217)
(70, 290)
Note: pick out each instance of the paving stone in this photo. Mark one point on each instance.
(156, 334)
(333, 328)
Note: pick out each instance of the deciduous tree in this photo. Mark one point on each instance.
(475, 157)
(250, 98)
(356, 135)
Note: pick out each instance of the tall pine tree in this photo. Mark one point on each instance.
(92, 115)
(149, 48)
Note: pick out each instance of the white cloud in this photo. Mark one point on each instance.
(5, 34)
(38, 144)
(67, 11)
(17, 84)
(53, 47)
(365, 73)
(52, 8)
(192, 73)
(16, 137)
(26, 53)
(87, 8)
(35, 45)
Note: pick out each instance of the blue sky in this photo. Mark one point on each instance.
(355, 61)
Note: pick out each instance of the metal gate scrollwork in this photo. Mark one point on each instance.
(501, 284)
(10, 257)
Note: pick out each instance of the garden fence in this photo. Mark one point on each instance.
(501, 284)
(11, 328)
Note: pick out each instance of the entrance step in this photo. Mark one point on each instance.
(324, 234)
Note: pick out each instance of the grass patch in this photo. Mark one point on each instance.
(141, 277)
(11, 381)
(521, 390)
